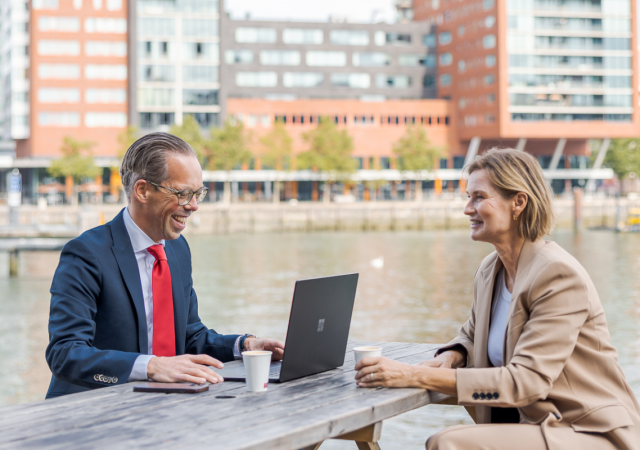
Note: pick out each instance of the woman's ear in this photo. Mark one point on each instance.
(520, 201)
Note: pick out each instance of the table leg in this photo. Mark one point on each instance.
(313, 447)
(365, 438)
(368, 445)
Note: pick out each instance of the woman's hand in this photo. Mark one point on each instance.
(446, 360)
(383, 372)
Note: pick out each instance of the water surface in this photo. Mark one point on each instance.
(244, 284)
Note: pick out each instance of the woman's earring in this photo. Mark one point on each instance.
(514, 217)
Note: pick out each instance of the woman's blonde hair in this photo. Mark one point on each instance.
(512, 171)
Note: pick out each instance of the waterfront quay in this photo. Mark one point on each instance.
(220, 218)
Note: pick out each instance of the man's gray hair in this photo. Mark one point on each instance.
(147, 158)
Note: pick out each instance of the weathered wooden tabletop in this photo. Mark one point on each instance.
(290, 415)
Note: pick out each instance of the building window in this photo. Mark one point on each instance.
(59, 119)
(429, 81)
(352, 80)
(200, 27)
(417, 60)
(398, 38)
(302, 79)
(489, 80)
(105, 48)
(327, 59)
(113, 25)
(58, 71)
(105, 96)
(200, 74)
(349, 37)
(238, 56)
(152, 120)
(202, 51)
(44, 4)
(256, 35)
(490, 60)
(205, 120)
(105, 72)
(280, 57)
(97, 5)
(58, 95)
(444, 38)
(445, 80)
(445, 59)
(59, 24)
(199, 96)
(462, 66)
(489, 41)
(256, 79)
(157, 73)
(489, 118)
(394, 81)
(148, 97)
(491, 98)
(488, 4)
(114, 5)
(460, 30)
(105, 119)
(302, 36)
(77, 4)
(370, 59)
(379, 38)
(429, 40)
(489, 21)
(49, 47)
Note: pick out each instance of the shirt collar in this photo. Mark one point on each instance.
(139, 239)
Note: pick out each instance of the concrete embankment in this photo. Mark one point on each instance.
(215, 218)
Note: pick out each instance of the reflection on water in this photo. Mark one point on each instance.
(245, 282)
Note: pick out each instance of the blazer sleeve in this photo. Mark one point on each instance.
(466, 336)
(75, 293)
(203, 340)
(558, 308)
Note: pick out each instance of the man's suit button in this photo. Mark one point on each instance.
(496, 396)
(483, 396)
(475, 396)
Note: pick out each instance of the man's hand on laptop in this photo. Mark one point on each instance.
(184, 368)
(271, 345)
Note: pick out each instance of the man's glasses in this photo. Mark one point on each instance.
(185, 196)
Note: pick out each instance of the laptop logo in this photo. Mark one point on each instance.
(320, 325)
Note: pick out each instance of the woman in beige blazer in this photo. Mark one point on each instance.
(556, 383)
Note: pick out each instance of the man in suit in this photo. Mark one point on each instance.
(123, 307)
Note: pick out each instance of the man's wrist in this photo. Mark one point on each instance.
(242, 345)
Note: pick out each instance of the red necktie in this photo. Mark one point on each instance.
(164, 335)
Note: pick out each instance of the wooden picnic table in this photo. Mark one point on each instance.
(293, 415)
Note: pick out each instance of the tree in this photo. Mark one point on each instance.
(329, 152)
(623, 156)
(228, 148)
(126, 138)
(278, 147)
(189, 132)
(76, 163)
(415, 152)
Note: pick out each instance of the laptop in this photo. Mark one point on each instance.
(318, 330)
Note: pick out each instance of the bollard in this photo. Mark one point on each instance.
(13, 263)
(577, 209)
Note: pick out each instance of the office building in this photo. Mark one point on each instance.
(540, 75)
(177, 62)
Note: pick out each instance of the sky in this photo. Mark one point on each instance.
(312, 10)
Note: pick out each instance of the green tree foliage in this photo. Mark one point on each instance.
(278, 147)
(77, 160)
(126, 138)
(190, 132)
(623, 157)
(415, 152)
(329, 151)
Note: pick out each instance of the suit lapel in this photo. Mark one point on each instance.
(483, 312)
(123, 252)
(179, 306)
(525, 261)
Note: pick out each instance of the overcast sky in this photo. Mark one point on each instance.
(312, 10)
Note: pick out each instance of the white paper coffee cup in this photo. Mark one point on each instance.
(256, 367)
(364, 352)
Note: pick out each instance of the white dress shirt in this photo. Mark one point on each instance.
(499, 318)
(140, 242)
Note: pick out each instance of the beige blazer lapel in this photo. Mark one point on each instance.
(527, 255)
(483, 313)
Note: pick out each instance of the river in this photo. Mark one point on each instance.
(244, 283)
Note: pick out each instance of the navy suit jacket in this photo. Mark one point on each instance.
(97, 322)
